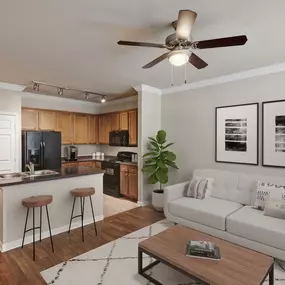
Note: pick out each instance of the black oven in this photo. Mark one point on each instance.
(111, 178)
(119, 138)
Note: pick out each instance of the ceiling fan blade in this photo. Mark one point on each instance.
(140, 44)
(156, 61)
(186, 19)
(222, 42)
(197, 61)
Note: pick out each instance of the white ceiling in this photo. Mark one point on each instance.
(74, 43)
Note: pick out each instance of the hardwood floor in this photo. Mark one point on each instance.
(17, 266)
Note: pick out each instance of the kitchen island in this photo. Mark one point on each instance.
(13, 190)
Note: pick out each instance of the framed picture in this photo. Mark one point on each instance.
(237, 134)
(273, 138)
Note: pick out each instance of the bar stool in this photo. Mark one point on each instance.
(82, 193)
(37, 202)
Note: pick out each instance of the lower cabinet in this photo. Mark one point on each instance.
(129, 181)
(85, 163)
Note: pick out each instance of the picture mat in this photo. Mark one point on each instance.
(248, 112)
(271, 157)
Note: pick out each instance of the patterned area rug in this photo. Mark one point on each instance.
(116, 263)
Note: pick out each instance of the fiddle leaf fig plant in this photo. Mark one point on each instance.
(159, 159)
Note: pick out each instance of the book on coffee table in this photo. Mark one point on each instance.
(203, 249)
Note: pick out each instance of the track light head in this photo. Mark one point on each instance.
(103, 99)
(87, 95)
(36, 86)
(60, 91)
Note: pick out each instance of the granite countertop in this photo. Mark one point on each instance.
(64, 172)
(89, 158)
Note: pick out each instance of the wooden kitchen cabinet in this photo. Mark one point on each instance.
(30, 119)
(65, 126)
(129, 181)
(133, 127)
(104, 128)
(69, 164)
(115, 121)
(92, 129)
(124, 121)
(97, 164)
(80, 129)
(47, 120)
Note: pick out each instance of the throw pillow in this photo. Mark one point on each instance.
(274, 210)
(268, 191)
(209, 189)
(197, 188)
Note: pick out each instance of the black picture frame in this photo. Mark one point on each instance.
(263, 132)
(257, 134)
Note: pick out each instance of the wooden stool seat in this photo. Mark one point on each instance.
(37, 201)
(83, 192)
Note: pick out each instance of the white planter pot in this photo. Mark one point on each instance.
(158, 200)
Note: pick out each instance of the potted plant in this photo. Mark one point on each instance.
(157, 163)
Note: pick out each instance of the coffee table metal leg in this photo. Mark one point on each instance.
(271, 275)
(140, 262)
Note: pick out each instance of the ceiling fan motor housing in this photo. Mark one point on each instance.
(172, 41)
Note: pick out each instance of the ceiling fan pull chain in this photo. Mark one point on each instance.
(172, 75)
(185, 74)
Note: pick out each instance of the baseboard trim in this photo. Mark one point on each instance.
(142, 204)
(29, 239)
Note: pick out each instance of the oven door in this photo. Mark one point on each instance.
(111, 179)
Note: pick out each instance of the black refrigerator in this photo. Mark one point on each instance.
(43, 149)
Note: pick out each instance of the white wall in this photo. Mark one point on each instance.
(189, 119)
(56, 103)
(10, 101)
(119, 105)
(149, 122)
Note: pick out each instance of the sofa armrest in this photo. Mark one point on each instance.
(174, 192)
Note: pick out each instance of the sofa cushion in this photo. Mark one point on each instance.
(253, 225)
(210, 212)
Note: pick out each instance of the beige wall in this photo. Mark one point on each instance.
(189, 119)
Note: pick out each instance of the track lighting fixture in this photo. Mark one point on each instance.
(60, 91)
(103, 99)
(36, 86)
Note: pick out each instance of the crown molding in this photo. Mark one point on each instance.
(271, 69)
(133, 98)
(12, 87)
(148, 89)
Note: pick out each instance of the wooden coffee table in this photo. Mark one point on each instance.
(238, 265)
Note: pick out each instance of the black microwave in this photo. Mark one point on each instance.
(119, 138)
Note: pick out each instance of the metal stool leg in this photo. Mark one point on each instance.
(34, 246)
(49, 229)
(71, 214)
(28, 210)
(93, 215)
(41, 217)
(82, 202)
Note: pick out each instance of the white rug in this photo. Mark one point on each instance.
(113, 206)
(116, 263)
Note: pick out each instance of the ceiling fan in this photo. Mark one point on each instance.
(180, 44)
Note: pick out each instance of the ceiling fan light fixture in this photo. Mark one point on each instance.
(103, 99)
(179, 57)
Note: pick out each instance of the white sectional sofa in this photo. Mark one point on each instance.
(228, 213)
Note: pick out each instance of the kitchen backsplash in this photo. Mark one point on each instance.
(108, 150)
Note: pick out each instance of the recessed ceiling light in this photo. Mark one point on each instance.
(103, 99)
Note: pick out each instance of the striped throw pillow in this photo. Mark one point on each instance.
(197, 188)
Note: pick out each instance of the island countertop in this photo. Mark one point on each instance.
(64, 172)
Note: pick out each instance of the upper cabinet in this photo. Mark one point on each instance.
(93, 130)
(124, 121)
(47, 120)
(65, 126)
(115, 121)
(30, 119)
(78, 128)
(81, 129)
(133, 127)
